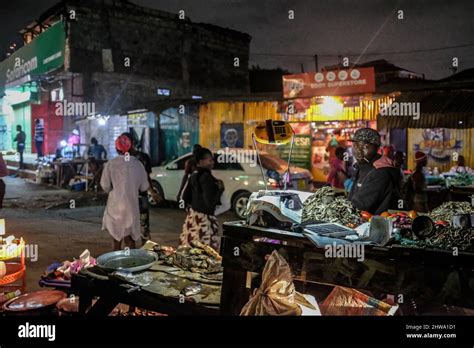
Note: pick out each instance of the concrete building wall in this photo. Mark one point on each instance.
(162, 51)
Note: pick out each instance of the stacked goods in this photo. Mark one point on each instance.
(449, 237)
(445, 236)
(323, 205)
(136, 312)
(461, 179)
(447, 210)
(198, 257)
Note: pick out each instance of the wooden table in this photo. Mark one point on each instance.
(78, 165)
(427, 277)
(112, 291)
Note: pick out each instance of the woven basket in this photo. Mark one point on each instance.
(14, 272)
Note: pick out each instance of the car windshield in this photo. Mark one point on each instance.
(273, 162)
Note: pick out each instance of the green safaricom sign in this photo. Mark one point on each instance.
(42, 55)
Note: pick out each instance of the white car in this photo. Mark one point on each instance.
(241, 176)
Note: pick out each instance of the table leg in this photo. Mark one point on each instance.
(102, 307)
(85, 302)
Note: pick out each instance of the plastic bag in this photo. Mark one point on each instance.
(276, 295)
(346, 301)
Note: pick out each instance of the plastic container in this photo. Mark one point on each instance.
(423, 227)
(79, 186)
(14, 272)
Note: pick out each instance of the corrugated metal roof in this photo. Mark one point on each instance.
(438, 108)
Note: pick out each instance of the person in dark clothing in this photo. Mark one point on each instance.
(20, 139)
(143, 197)
(189, 168)
(399, 159)
(376, 185)
(3, 172)
(337, 171)
(416, 195)
(202, 193)
(97, 150)
(39, 138)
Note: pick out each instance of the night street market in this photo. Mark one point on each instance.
(164, 161)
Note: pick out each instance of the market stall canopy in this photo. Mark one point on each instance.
(437, 109)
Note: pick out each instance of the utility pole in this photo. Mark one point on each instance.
(316, 63)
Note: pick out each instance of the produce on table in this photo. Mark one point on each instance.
(449, 237)
(324, 206)
(446, 237)
(447, 210)
(198, 257)
(191, 290)
(461, 179)
(366, 215)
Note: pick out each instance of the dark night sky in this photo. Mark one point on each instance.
(325, 27)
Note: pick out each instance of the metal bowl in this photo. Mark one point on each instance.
(133, 260)
(34, 303)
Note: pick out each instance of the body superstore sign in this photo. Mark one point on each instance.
(334, 82)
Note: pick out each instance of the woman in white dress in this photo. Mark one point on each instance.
(123, 178)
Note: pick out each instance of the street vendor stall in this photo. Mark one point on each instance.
(186, 281)
(418, 263)
(419, 279)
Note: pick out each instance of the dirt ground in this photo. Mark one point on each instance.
(60, 234)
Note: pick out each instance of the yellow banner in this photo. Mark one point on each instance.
(442, 146)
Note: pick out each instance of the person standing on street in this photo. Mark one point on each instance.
(202, 193)
(143, 198)
(97, 150)
(20, 140)
(3, 172)
(74, 142)
(123, 178)
(39, 138)
(189, 168)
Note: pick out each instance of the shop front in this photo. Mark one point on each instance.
(179, 131)
(20, 82)
(443, 129)
(324, 115)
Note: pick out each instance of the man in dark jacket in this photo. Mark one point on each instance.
(376, 185)
(20, 139)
